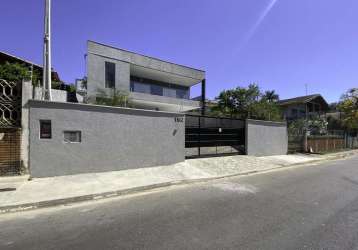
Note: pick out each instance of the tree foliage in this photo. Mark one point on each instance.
(313, 126)
(270, 96)
(248, 102)
(349, 106)
(16, 72)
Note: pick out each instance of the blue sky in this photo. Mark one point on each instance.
(281, 45)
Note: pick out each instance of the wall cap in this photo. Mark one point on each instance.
(98, 108)
(268, 123)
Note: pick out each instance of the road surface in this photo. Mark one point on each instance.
(311, 207)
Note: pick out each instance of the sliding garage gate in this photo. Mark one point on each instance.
(211, 136)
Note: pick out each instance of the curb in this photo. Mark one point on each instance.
(111, 194)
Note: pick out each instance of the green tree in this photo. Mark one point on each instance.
(245, 99)
(249, 103)
(270, 96)
(349, 106)
(313, 126)
(226, 103)
(16, 72)
(266, 110)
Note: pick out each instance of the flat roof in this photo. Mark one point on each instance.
(106, 45)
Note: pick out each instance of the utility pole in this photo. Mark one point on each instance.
(46, 71)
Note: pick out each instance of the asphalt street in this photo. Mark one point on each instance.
(307, 207)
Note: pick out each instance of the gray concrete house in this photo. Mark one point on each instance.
(151, 83)
(304, 107)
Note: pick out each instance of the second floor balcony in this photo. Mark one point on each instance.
(152, 87)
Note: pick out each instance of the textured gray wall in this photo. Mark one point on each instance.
(265, 138)
(57, 95)
(96, 74)
(112, 139)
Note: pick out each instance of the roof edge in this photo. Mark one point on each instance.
(151, 57)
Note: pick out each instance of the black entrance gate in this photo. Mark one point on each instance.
(210, 136)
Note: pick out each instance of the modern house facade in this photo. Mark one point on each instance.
(151, 83)
(304, 107)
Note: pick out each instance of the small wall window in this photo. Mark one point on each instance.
(110, 75)
(72, 136)
(45, 129)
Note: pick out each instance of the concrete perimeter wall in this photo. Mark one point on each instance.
(265, 138)
(112, 139)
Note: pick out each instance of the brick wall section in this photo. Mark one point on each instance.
(10, 151)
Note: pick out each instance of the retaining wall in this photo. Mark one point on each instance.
(265, 138)
(111, 138)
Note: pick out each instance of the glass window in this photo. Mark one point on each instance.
(45, 129)
(153, 87)
(110, 75)
(170, 92)
(182, 93)
(72, 136)
(156, 89)
(140, 87)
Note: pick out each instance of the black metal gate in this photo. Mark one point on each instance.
(211, 136)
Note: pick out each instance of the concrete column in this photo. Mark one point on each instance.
(25, 97)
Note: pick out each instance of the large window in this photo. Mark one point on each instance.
(170, 92)
(152, 87)
(110, 75)
(182, 93)
(156, 89)
(140, 87)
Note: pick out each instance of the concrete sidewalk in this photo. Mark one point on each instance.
(44, 192)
